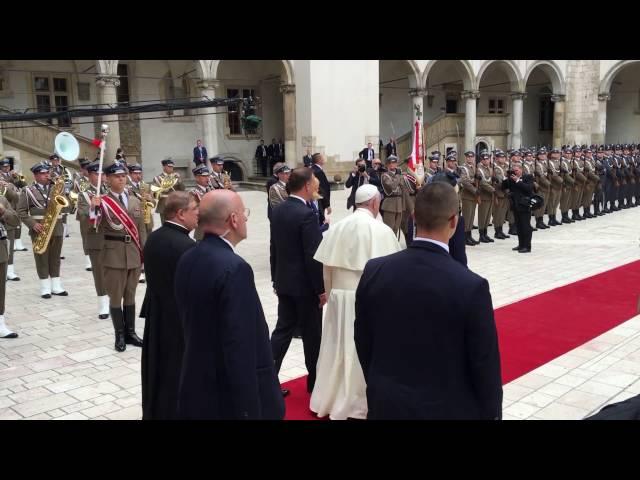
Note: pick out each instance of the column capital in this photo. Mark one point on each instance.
(604, 97)
(208, 83)
(467, 94)
(107, 81)
(287, 88)
(417, 92)
(518, 95)
(558, 98)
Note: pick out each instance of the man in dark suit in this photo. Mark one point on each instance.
(357, 178)
(438, 360)
(307, 160)
(520, 190)
(368, 154)
(391, 147)
(163, 344)
(199, 154)
(324, 204)
(227, 366)
(298, 277)
(262, 156)
(274, 153)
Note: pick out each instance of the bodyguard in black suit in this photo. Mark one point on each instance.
(520, 190)
(437, 359)
(298, 277)
(200, 154)
(307, 160)
(325, 188)
(262, 156)
(368, 154)
(392, 148)
(227, 367)
(163, 344)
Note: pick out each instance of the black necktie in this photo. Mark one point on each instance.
(121, 200)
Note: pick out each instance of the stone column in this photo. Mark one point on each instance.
(289, 105)
(558, 119)
(107, 95)
(417, 98)
(516, 117)
(210, 120)
(600, 132)
(470, 97)
(1, 144)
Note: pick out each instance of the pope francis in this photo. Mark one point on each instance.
(340, 390)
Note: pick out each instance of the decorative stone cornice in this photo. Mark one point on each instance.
(518, 95)
(287, 88)
(558, 98)
(466, 94)
(107, 81)
(604, 97)
(417, 92)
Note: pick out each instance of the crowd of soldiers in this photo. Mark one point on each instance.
(575, 182)
(112, 240)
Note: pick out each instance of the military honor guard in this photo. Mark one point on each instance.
(58, 170)
(501, 203)
(142, 191)
(554, 174)
(10, 186)
(591, 184)
(393, 203)
(541, 180)
(468, 195)
(121, 218)
(37, 210)
(8, 217)
(218, 178)
(94, 237)
(487, 192)
(278, 191)
(168, 181)
(577, 164)
(80, 184)
(203, 186)
(568, 185)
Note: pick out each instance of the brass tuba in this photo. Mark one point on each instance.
(226, 180)
(57, 202)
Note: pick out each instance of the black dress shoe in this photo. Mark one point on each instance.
(46, 295)
(61, 258)
(103, 316)
(142, 280)
(285, 392)
(64, 293)
(11, 335)
(524, 250)
(516, 248)
(89, 269)
(14, 279)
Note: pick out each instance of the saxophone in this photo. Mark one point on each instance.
(226, 180)
(147, 206)
(57, 202)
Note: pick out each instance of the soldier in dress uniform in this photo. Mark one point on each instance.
(433, 168)
(393, 203)
(278, 191)
(621, 175)
(567, 185)
(590, 186)
(80, 183)
(8, 217)
(201, 174)
(513, 158)
(554, 175)
(501, 203)
(486, 190)
(167, 171)
(541, 168)
(134, 185)
(121, 219)
(468, 195)
(600, 202)
(575, 201)
(58, 170)
(409, 189)
(9, 183)
(94, 238)
(216, 178)
(32, 206)
(629, 175)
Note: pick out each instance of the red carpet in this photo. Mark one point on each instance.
(538, 329)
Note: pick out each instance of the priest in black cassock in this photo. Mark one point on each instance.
(163, 342)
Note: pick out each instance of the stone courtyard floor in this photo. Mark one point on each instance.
(63, 365)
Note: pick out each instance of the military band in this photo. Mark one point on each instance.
(168, 181)
(203, 186)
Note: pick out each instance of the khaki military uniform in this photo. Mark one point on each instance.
(179, 186)
(555, 191)
(567, 187)
(486, 191)
(13, 194)
(540, 168)
(216, 181)
(8, 219)
(120, 256)
(79, 184)
(94, 239)
(578, 189)
(501, 204)
(592, 182)
(199, 192)
(393, 203)
(32, 206)
(468, 195)
(277, 194)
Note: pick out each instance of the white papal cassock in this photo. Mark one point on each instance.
(339, 390)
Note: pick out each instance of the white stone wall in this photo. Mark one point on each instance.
(623, 110)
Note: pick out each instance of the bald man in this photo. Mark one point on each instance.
(227, 366)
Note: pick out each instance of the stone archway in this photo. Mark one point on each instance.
(619, 102)
(544, 104)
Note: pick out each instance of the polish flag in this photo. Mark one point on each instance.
(416, 153)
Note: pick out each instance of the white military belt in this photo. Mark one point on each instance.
(41, 217)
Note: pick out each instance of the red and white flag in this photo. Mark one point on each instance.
(416, 153)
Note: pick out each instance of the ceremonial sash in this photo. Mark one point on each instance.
(112, 208)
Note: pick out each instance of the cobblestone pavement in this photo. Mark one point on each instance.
(63, 365)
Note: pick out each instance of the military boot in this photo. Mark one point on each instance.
(130, 326)
(117, 318)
